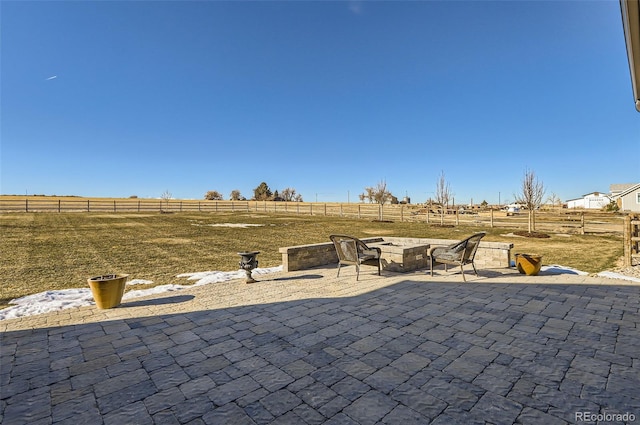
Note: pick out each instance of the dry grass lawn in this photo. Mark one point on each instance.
(45, 251)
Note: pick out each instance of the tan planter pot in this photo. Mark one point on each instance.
(528, 264)
(108, 289)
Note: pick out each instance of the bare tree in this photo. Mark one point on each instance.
(288, 194)
(381, 194)
(554, 200)
(369, 194)
(213, 195)
(531, 195)
(378, 194)
(236, 196)
(443, 195)
(166, 196)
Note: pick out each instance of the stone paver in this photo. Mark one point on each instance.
(310, 348)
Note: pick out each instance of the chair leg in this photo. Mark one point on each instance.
(357, 271)
(431, 265)
(474, 269)
(462, 271)
(379, 267)
(338, 270)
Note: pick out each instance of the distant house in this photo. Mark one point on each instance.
(590, 201)
(628, 199)
(618, 188)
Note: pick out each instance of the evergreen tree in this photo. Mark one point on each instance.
(262, 192)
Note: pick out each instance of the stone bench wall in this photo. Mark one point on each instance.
(490, 255)
(303, 257)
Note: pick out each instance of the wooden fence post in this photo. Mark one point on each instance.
(631, 238)
(59, 205)
(582, 222)
(114, 205)
(26, 205)
(492, 218)
(628, 244)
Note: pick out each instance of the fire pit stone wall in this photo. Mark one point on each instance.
(302, 257)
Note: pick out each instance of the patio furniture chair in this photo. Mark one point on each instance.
(459, 254)
(352, 251)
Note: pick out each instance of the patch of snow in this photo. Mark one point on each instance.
(556, 269)
(48, 301)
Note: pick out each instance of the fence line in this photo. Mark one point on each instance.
(564, 221)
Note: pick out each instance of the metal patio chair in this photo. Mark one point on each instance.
(459, 254)
(352, 251)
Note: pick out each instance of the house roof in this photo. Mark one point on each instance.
(628, 191)
(595, 193)
(588, 194)
(630, 10)
(620, 187)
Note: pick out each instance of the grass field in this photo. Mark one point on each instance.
(45, 251)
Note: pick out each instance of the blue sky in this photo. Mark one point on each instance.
(324, 97)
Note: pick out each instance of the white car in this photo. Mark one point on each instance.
(513, 211)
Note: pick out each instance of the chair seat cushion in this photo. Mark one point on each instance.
(448, 256)
(367, 257)
(373, 252)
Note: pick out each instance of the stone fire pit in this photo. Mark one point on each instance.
(402, 257)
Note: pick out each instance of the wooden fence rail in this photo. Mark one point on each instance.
(560, 222)
(97, 205)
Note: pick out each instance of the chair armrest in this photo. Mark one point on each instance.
(434, 250)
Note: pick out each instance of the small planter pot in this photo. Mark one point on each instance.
(108, 289)
(528, 264)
